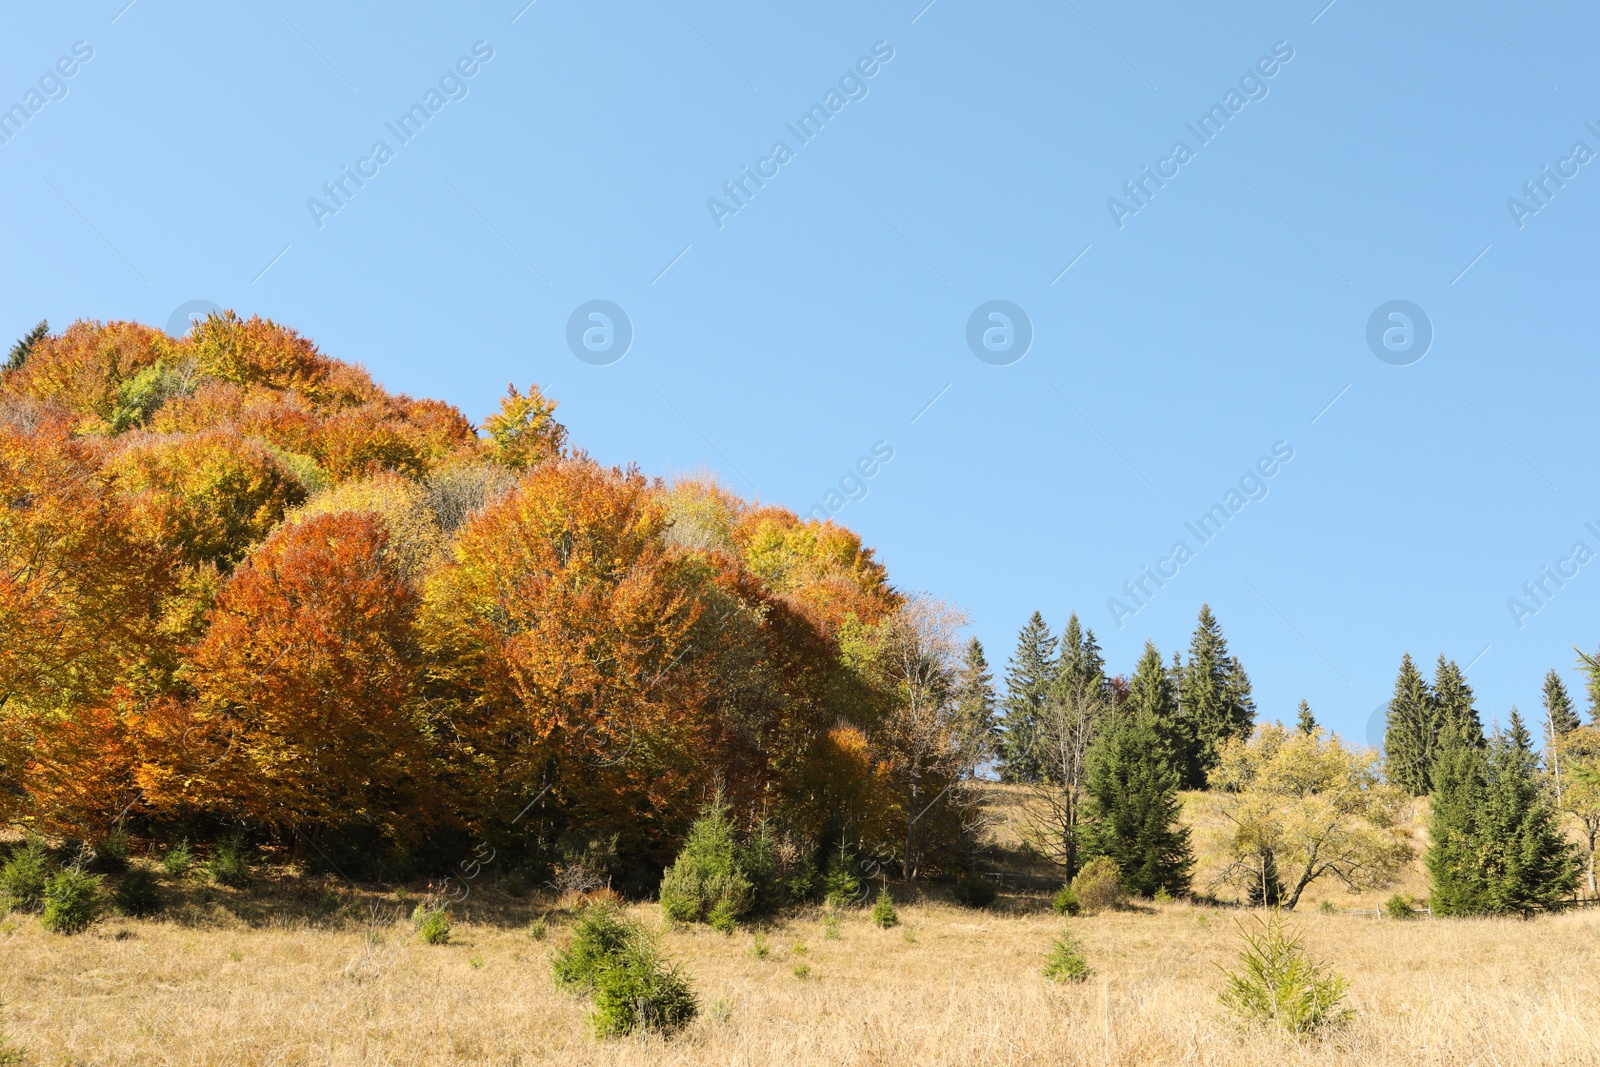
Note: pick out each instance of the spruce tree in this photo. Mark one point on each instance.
(1080, 661)
(1529, 865)
(1453, 699)
(1028, 680)
(1460, 776)
(1411, 736)
(1151, 692)
(1561, 718)
(1133, 805)
(1306, 722)
(1214, 698)
(19, 351)
(974, 692)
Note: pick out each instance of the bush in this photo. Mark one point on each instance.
(136, 893)
(1162, 896)
(1065, 962)
(830, 926)
(230, 862)
(636, 990)
(707, 875)
(111, 855)
(759, 947)
(537, 930)
(599, 935)
(432, 924)
(72, 901)
(178, 859)
(722, 918)
(619, 963)
(1280, 985)
(883, 913)
(1065, 901)
(1327, 908)
(1098, 886)
(23, 877)
(974, 891)
(1399, 906)
(841, 883)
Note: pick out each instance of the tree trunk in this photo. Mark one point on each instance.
(909, 867)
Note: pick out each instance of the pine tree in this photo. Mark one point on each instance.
(1133, 802)
(1214, 698)
(1080, 661)
(975, 699)
(1561, 718)
(1453, 698)
(1306, 722)
(1460, 777)
(1028, 679)
(1152, 692)
(1267, 891)
(1529, 864)
(19, 351)
(1591, 671)
(1411, 736)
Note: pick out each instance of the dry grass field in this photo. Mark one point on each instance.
(281, 977)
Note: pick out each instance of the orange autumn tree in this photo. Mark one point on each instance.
(562, 643)
(304, 717)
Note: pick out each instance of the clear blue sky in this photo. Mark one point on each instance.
(976, 164)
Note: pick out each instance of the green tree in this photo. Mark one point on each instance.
(1133, 805)
(975, 697)
(1412, 733)
(24, 346)
(1028, 680)
(1151, 692)
(1213, 698)
(1453, 698)
(1529, 864)
(1460, 777)
(1561, 717)
(1305, 722)
(1080, 664)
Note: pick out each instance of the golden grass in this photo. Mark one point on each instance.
(286, 973)
(967, 990)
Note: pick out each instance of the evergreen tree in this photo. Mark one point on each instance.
(1452, 697)
(1152, 692)
(1460, 777)
(1213, 697)
(1028, 680)
(1561, 718)
(1080, 661)
(19, 351)
(1306, 722)
(1412, 733)
(1591, 670)
(1267, 892)
(975, 699)
(1529, 863)
(1133, 804)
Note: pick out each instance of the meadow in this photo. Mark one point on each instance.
(306, 969)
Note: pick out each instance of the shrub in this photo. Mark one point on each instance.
(883, 913)
(1098, 886)
(178, 859)
(636, 990)
(1065, 962)
(1162, 896)
(111, 855)
(1399, 906)
(599, 934)
(722, 918)
(619, 963)
(708, 873)
(432, 924)
(1065, 901)
(72, 901)
(1327, 908)
(136, 893)
(974, 891)
(230, 862)
(759, 947)
(1279, 984)
(841, 883)
(802, 971)
(537, 930)
(830, 927)
(23, 877)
